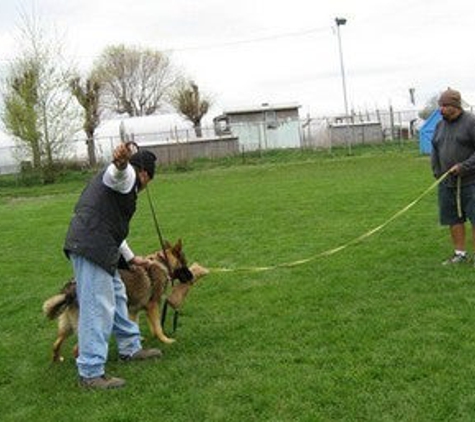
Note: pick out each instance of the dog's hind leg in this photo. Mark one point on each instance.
(57, 348)
(62, 336)
(65, 329)
(134, 316)
(153, 319)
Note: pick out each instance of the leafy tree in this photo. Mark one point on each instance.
(188, 101)
(20, 115)
(88, 95)
(134, 81)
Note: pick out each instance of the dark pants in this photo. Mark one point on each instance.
(448, 209)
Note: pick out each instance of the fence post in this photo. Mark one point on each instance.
(349, 134)
(391, 121)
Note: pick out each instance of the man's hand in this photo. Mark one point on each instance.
(141, 261)
(455, 169)
(121, 156)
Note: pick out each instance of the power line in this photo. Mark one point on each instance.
(225, 43)
(250, 40)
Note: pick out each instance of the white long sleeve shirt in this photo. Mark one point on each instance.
(122, 181)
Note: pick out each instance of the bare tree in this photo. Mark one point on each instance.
(135, 81)
(189, 102)
(88, 96)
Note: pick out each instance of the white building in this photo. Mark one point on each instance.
(8, 164)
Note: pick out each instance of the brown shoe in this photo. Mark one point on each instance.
(143, 354)
(101, 383)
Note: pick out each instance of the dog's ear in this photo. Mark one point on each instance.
(178, 246)
(167, 244)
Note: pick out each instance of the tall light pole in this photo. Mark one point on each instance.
(339, 22)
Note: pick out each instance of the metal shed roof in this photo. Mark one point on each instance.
(262, 107)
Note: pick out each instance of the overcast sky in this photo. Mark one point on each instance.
(247, 52)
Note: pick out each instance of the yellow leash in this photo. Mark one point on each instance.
(339, 248)
(459, 196)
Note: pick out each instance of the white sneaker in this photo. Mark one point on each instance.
(457, 258)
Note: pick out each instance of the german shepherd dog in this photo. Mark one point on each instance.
(145, 288)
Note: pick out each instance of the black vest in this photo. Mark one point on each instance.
(100, 224)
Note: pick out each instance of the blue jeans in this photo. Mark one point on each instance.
(102, 311)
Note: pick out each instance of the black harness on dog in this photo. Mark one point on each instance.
(163, 317)
(184, 275)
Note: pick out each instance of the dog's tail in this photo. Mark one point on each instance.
(57, 304)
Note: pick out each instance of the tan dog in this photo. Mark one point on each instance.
(145, 289)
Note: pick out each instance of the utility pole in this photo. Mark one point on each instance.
(339, 22)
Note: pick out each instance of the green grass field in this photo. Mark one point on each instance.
(377, 332)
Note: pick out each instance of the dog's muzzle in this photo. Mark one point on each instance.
(183, 274)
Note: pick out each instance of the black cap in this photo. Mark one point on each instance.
(144, 160)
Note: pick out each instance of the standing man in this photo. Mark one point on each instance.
(94, 243)
(453, 151)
